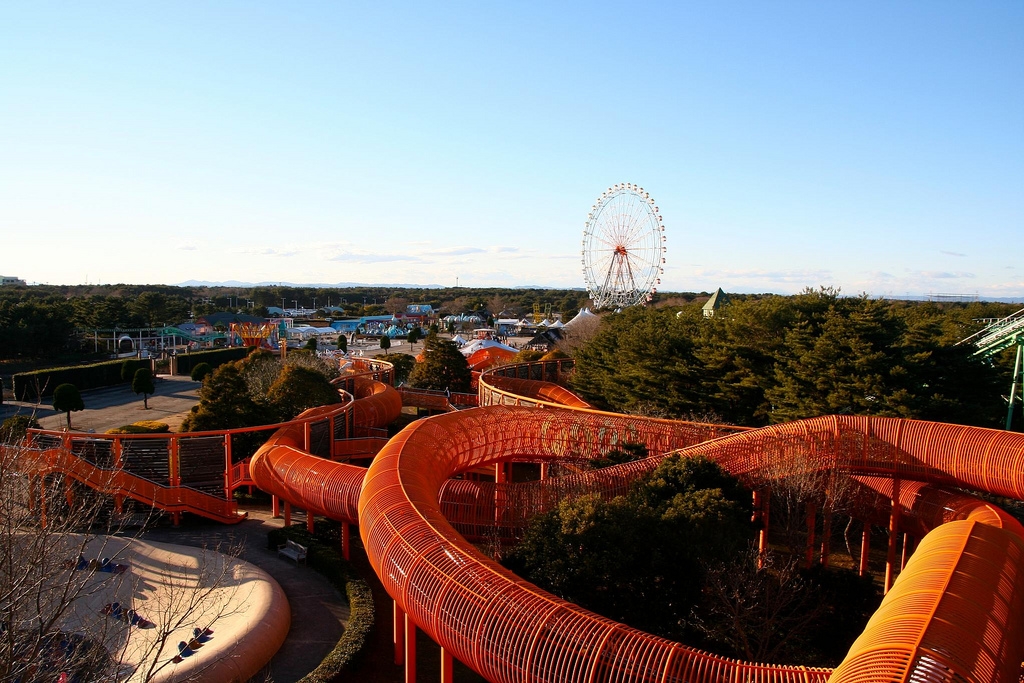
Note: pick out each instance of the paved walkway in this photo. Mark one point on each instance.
(112, 407)
(319, 612)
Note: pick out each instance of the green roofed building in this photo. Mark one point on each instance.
(717, 300)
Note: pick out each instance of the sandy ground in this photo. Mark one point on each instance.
(178, 588)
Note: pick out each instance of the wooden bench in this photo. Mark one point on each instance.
(292, 551)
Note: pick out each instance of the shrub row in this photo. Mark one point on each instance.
(186, 361)
(324, 556)
(34, 385)
(142, 427)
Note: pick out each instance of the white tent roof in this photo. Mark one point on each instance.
(458, 340)
(555, 325)
(584, 314)
(477, 344)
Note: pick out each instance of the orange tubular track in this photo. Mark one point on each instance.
(955, 613)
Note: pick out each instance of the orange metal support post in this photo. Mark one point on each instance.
(410, 650)
(275, 506)
(309, 521)
(499, 498)
(446, 666)
(894, 525)
(762, 536)
(346, 539)
(398, 635)
(865, 549)
(227, 466)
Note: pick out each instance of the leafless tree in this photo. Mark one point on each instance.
(578, 333)
(806, 484)
(64, 552)
(756, 611)
(396, 304)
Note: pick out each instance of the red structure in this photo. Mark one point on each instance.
(954, 614)
(410, 513)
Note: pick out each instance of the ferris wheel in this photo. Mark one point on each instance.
(623, 248)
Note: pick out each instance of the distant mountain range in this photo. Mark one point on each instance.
(341, 285)
(322, 285)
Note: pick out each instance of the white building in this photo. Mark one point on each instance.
(11, 280)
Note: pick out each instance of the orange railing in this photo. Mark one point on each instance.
(173, 472)
(954, 613)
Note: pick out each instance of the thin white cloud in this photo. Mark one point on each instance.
(375, 258)
(455, 251)
(784, 276)
(952, 253)
(188, 247)
(942, 275)
(268, 251)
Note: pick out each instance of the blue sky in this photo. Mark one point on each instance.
(873, 146)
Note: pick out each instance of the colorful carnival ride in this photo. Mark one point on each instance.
(955, 613)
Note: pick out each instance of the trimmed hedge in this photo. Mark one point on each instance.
(325, 557)
(142, 427)
(187, 361)
(92, 376)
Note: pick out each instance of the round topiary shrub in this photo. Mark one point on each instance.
(200, 371)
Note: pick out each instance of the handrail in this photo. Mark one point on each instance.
(992, 328)
(198, 502)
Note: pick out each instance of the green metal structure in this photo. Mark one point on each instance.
(995, 338)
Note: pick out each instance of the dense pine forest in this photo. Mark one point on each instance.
(760, 359)
(771, 359)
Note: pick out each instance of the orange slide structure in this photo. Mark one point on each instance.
(956, 612)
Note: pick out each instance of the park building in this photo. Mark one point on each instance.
(11, 280)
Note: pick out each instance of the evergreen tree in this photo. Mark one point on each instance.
(385, 342)
(66, 399)
(200, 372)
(225, 403)
(443, 367)
(403, 362)
(639, 360)
(142, 383)
(298, 388)
(687, 514)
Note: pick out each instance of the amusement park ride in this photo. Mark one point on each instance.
(997, 336)
(623, 247)
(254, 334)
